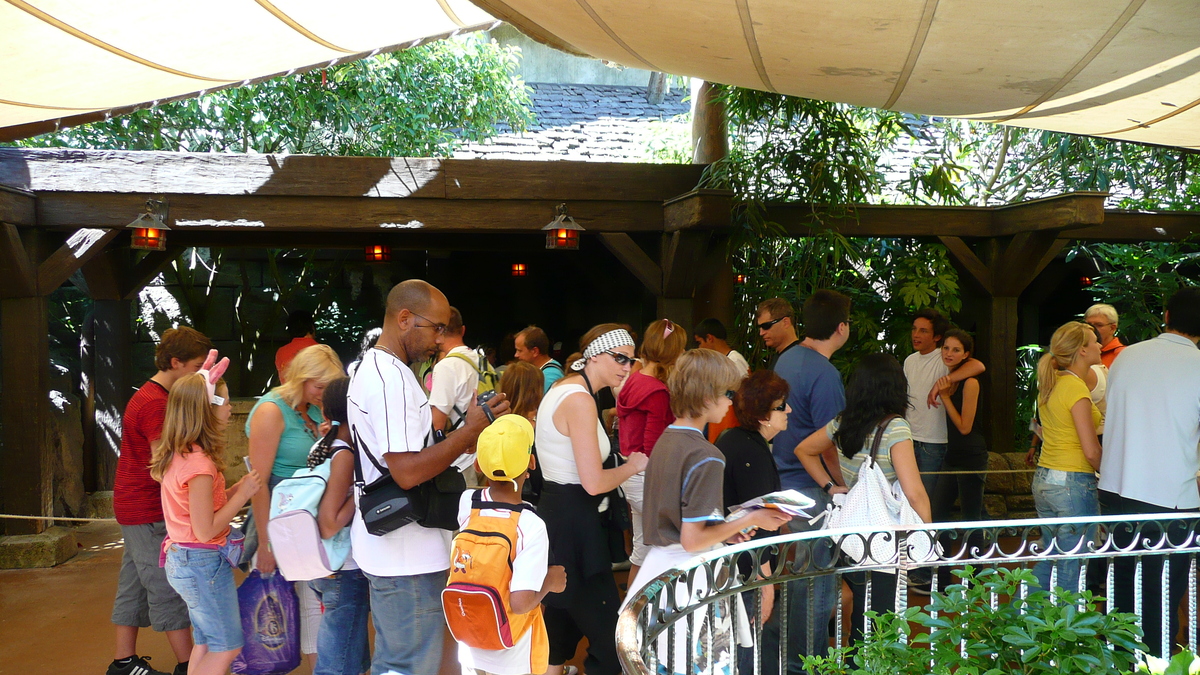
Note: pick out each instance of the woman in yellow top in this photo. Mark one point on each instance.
(1064, 484)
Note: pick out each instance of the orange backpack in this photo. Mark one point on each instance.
(476, 598)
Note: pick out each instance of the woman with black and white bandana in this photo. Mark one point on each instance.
(572, 447)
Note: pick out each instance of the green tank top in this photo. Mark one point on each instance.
(296, 440)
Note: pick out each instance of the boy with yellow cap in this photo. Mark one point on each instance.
(499, 569)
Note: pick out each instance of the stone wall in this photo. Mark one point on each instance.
(1009, 495)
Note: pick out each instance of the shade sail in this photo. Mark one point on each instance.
(65, 58)
(1123, 69)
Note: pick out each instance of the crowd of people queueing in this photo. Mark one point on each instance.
(695, 432)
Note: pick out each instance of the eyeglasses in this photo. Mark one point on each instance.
(1100, 325)
(438, 328)
(729, 394)
(766, 325)
(620, 358)
(782, 407)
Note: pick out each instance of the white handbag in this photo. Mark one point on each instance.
(874, 505)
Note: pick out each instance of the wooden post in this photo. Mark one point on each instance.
(110, 384)
(998, 269)
(713, 296)
(27, 466)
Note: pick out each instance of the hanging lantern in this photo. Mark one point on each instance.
(150, 228)
(562, 234)
(378, 253)
(741, 279)
(519, 269)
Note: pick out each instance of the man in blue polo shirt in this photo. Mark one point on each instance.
(816, 396)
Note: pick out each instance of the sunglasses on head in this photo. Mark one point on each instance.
(620, 358)
(766, 325)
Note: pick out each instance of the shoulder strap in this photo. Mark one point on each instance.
(464, 357)
(478, 503)
(879, 435)
(552, 364)
(360, 445)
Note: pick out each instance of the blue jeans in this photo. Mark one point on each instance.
(1064, 494)
(409, 624)
(929, 458)
(342, 647)
(824, 589)
(203, 578)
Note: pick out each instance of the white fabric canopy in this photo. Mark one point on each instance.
(1126, 69)
(62, 58)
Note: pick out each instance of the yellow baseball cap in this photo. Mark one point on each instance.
(503, 448)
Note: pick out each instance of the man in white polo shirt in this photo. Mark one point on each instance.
(923, 368)
(390, 418)
(1150, 462)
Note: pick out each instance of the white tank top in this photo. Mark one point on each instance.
(555, 455)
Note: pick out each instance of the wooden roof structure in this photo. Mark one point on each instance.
(64, 215)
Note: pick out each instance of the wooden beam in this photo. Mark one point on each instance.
(1075, 209)
(105, 274)
(296, 214)
(175, 173)
(18, 273)
(1136, 226)
(146, 269)
(18, 207)
(410, 240)
(26, 458)
(682, 254)
(698, 209)
(566, 181)
(968, 264)
(884, 221)
(635, 260)
(80, 247)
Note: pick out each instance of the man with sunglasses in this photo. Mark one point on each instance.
(392, 426)
(816, 396)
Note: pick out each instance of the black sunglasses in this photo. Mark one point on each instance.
(729, 394)
(766, 325)
(620, 358)
(782, 407)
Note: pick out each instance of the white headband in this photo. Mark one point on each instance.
(613, 338)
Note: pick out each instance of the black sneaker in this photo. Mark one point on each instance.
(138, 665)
(180, 669)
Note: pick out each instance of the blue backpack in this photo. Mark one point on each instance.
(300, 552)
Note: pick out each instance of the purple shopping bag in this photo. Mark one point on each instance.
(270, 626)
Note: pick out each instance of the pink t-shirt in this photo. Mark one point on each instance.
(644, 411)
(176, 505)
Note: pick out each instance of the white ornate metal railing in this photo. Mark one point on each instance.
(695, 604)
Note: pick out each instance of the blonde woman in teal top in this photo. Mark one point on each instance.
(282, 428)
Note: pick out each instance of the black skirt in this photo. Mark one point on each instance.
(578, 538)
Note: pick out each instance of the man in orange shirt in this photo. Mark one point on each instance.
(1104, 319)
(301, 329)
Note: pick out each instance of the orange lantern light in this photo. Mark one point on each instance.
(562, 234)
(149, 239)
(741, 279)
(519, 269)
(150, 228)
(378, 253)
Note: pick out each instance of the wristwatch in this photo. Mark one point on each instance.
(828, 485)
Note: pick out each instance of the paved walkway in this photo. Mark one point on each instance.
(57, 620)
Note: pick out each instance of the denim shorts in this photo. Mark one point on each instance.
(204, 580)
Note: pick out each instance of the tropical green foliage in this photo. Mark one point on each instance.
(962, 631)
(962, 162)
(420, 102)
(1137, 280)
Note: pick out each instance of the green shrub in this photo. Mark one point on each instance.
(1035, 635)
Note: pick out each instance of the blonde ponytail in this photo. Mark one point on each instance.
(1064, 349)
